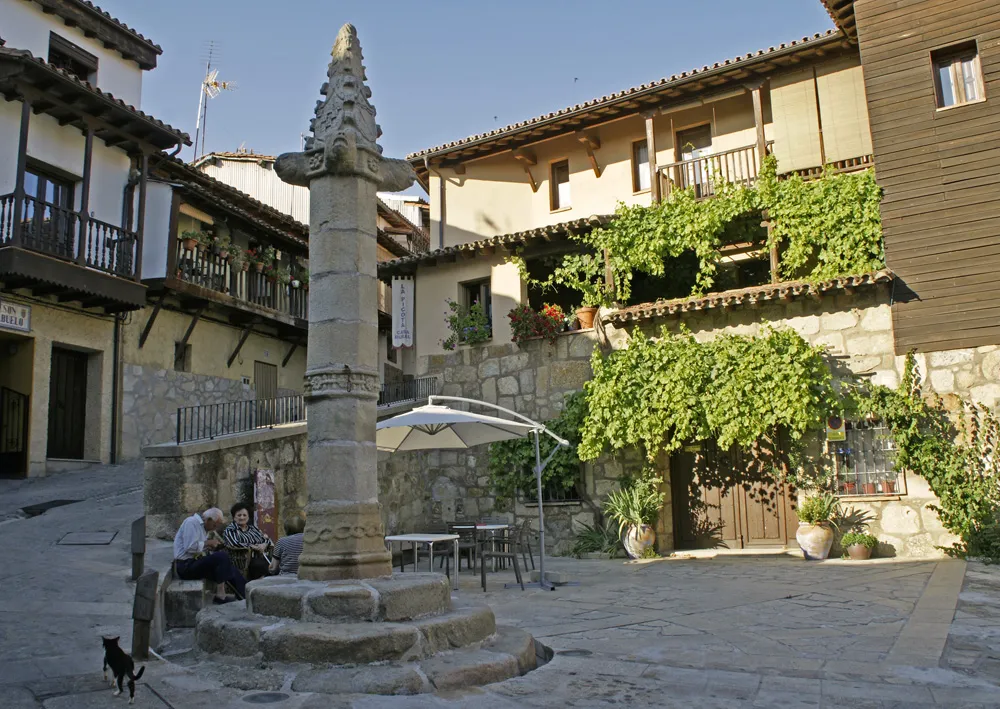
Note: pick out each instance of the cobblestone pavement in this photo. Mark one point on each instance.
(721, 632)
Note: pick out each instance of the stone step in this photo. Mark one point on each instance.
(234, 631)
(510, 653)
(401, 597)
(182, 601)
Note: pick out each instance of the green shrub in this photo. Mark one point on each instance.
(636, 503)
(865, 540)
(818, 508)
(592, 538)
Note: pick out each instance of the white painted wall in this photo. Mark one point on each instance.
(263, 184)
(24, 26)
(156, 229)
(62, 147)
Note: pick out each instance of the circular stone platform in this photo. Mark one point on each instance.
(406, 620)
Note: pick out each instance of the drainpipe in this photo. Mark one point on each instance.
(115, 388)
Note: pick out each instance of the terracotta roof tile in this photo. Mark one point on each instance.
(746, 296)
(118, 23)
(26, 56)
(760, 54)
(519, 238)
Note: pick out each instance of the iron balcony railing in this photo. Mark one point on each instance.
(68, 235)
(206, 267)
(409, 390)
(197, 423)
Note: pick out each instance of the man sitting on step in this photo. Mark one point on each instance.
(198, 557)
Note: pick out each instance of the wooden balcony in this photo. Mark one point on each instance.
(204, 274)
(739, 166)
(52, 250)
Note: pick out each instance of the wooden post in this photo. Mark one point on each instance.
(141, 216)
(143, 610)
(609, 275)
(88, 157)
(758, 119)
(138, 547)
(22, 164)
(819, 120)
(654, 173)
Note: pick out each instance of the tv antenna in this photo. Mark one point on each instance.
(210, 87)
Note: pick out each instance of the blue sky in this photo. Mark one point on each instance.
(441, 69)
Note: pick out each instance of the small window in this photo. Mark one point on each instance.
(866, 460)
(559, 197)
(958, 76)
(478, 292)
(640, 166)
(182, 357)
(65, 55)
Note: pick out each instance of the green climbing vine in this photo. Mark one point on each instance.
(824, 227)
(956, 449)
(511, 463)
(759, 394)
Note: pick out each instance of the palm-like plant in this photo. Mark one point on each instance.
(636, 503)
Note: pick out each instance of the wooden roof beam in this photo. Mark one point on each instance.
(591, 142)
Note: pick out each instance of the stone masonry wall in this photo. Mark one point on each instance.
(533, 379)
(151, 398)
(181, 480)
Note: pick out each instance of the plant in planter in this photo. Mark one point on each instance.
(303, 279)
(468, 326)
(238, 259)
(223, 245)
(282, 275)
(635, 506)
(526, 323)
(815, 533)
(597, 539)
(859, 545)
(192, 239)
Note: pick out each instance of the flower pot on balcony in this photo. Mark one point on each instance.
(189, 244)
(888, 486)
(296, 283)
(224, 255)
(867, 488)
(848, 488)
(586, 317)
(259, 267)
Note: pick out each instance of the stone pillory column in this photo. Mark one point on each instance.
(343, 167)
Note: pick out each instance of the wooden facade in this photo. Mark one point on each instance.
(939, 168)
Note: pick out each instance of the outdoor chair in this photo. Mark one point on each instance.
(524, 537)
(466, 545)
(502, 549)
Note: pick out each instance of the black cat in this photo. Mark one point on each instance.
(121, 666)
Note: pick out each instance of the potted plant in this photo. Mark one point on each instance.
(585, 314)
(859, 545)
(848, 487)
(868, 488)
(815, 533)
(238, 259)
(191, 239)
(282, 275)
(468, 325)
(224, 245)
(304, 278)
(635, 506)
(526, 323)
(594, 541)
(888, 486)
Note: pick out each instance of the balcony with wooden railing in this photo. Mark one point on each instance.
(67, 235)
(740, 166)
(247, 288)
(52, 250)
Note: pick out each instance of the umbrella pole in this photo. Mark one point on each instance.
(542, 582)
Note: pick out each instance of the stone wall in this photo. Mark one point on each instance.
(188, 478)
(533, 379)
(151, 397)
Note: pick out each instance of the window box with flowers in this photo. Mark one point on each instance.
(527, 323)
(469, 325)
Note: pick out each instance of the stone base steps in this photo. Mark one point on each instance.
(182, 600)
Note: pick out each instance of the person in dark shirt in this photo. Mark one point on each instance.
(242, 534)
(287, 550)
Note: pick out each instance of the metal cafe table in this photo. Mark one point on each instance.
(430, 540)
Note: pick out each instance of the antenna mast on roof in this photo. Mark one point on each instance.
(210, 88)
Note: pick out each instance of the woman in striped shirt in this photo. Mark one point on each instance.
(241, 533)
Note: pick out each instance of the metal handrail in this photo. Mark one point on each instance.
(409, 390)
(207, 421)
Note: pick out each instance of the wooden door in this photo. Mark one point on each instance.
(15, 412)
(67, 404)
(708, 516)
(695, 145)
(265, 382)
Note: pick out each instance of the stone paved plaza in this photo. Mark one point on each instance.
(769, 631)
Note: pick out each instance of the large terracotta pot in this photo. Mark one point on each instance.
(586, 317)
(859, 552)
(815, 540)
(637, 539)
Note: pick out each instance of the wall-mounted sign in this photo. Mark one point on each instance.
(402, 312)
(14, 316)
(835, 429)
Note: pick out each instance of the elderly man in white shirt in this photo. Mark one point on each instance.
(198, 557)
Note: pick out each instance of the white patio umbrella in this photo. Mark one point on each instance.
(433, 427)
